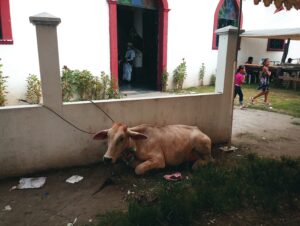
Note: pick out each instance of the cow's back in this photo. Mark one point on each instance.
(174, 142)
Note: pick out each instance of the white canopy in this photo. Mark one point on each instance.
(287, 33)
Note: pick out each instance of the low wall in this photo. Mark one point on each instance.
(33, 138)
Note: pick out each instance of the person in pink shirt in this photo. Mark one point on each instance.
(239, 79)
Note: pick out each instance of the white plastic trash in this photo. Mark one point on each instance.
(74, 179)
(7, 208)
(26, 183)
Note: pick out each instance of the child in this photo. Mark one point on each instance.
(239, 79)
(264, 82)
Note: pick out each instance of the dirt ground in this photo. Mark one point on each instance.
(59, 203)
(266, 133)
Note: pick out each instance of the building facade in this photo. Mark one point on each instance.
(93, 35)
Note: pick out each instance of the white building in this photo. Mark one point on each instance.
(93, 35)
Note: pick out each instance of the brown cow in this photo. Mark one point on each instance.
(155, 147)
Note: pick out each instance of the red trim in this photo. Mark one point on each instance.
(162, 40)
(216, 16)
(5, 23)
(113, 31)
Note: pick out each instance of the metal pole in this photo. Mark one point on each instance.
(235, 66)
(286, 50)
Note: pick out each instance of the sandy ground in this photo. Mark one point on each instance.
(266, 133)
(59, 203)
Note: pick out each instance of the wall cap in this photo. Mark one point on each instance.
(227, 30)
(45, 19)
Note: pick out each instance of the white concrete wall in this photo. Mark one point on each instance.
(83, 39)
(34, 139)
(190, 37)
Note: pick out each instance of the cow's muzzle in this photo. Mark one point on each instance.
(107, 160)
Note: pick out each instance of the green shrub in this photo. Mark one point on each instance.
(179, 75)
(202, 74)
(164, 81)
(96, 88)
(112, 92)
(212, 80)
(3, 91)
(86, 86)
(105, 84)
(67, 83)
(83, 81)
(33, 92)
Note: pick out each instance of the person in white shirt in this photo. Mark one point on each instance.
(127, 66)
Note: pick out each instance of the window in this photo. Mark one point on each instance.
(275, 44)
(227, 13)
(5, 24)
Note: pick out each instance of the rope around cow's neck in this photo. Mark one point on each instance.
(128, 155)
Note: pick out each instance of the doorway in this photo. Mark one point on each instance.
(138, 26)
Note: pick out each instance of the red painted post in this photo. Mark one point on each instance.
(6, 23)
(113, 31)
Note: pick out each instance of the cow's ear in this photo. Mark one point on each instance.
(101, 135)
(136, 135)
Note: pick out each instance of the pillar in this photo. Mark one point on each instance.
(48, 59)
(226, 66)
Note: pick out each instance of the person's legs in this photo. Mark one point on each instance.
(258, 95)
(266, 97)
(240, 93)
(235, 92)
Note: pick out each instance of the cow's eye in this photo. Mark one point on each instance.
(120, 139)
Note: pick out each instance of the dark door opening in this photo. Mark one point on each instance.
(139, 27)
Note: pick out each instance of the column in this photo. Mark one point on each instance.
(48, 59)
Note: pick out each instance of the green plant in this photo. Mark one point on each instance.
(105, 84)
(179, 75)
(83, 84)
(96, 88)
(164, 81)
(202, 74)
(113, 90)
(67, 83)
(33, 93)
(212, 80)
(3, 92)
(83, 81)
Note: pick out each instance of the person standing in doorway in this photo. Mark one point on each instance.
(128, 64)
(239, 79)
(264, 82)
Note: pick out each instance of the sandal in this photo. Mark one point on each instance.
(252, 100)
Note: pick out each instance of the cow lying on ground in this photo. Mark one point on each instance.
(147, 147)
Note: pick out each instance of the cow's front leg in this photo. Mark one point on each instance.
(135, 163)
(148, 165)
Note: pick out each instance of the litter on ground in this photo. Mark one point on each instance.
(173, 177)
(74, 179)
(27, 183)
(7, 208)
(228, 148)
